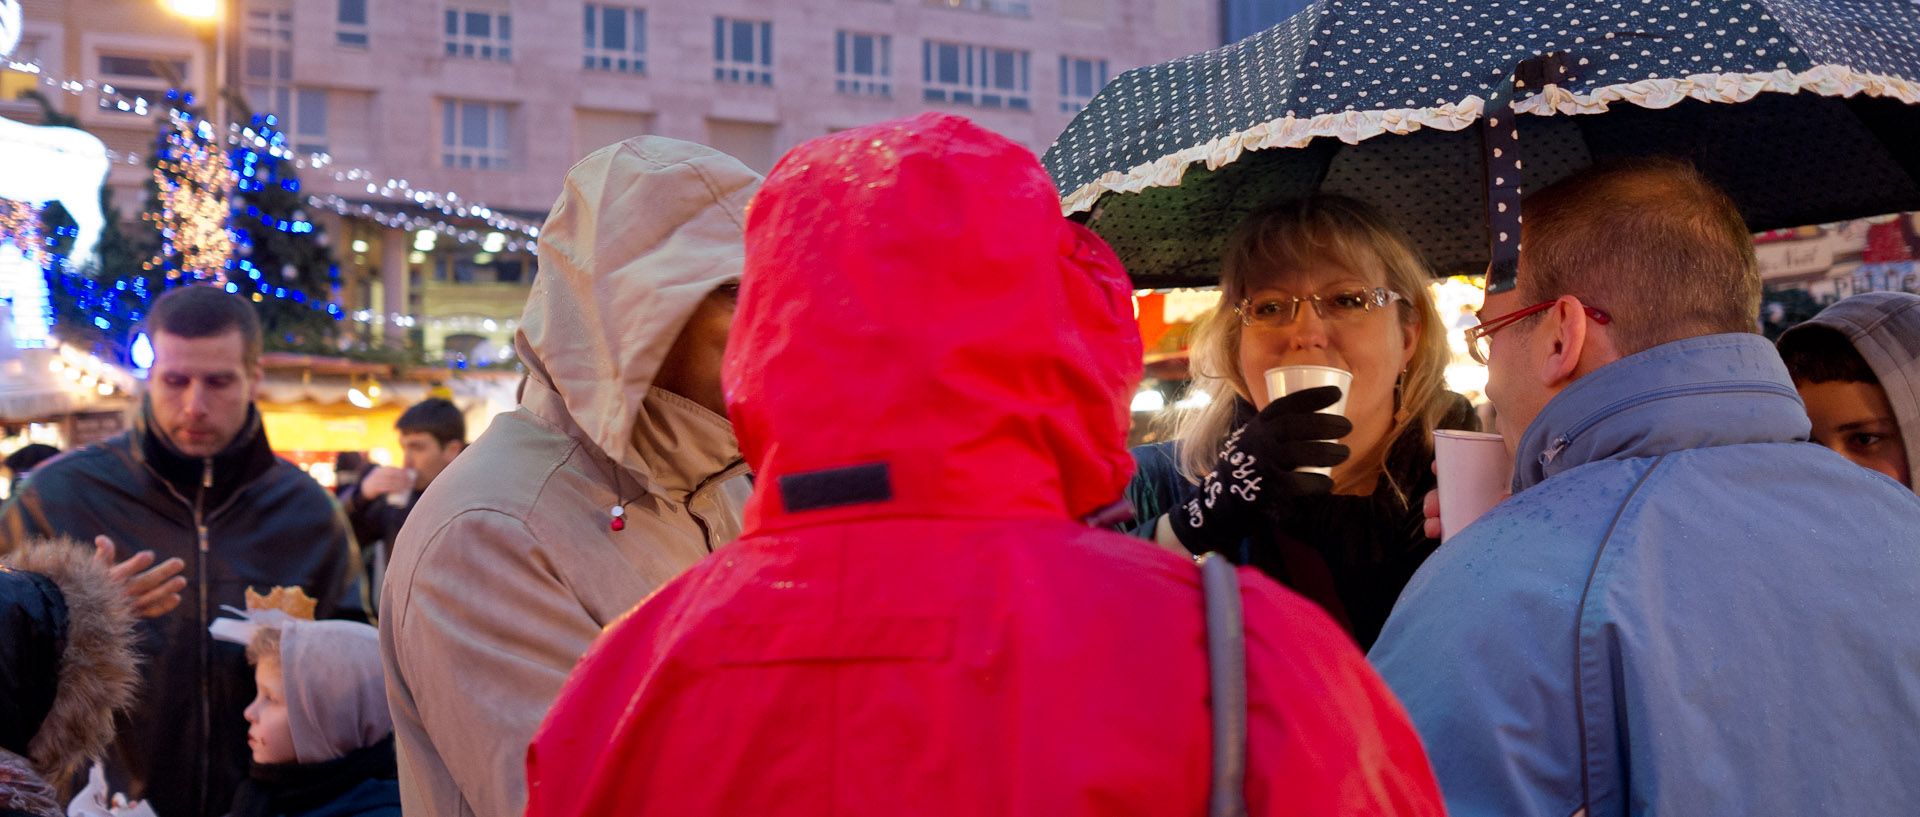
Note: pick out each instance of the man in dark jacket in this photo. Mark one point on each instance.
(432, 433)
(195, 480)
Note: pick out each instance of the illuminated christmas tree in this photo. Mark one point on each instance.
(224, 209)
(195, 183)
(282, 259)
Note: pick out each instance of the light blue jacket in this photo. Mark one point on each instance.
(1683, 610)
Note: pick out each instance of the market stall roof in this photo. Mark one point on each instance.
(293, 378)
(31, 390)
(322, 364)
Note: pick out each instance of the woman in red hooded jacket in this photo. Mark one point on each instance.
(929, 372)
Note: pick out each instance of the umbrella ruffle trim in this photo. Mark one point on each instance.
(1354, 127)
(1825, 80)
(1351, 127)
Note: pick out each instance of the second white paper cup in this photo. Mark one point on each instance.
(1474, 470)
(399, 499)
(1285, 380)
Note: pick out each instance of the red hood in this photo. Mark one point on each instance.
(921, 332)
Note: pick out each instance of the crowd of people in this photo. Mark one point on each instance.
(817, 501)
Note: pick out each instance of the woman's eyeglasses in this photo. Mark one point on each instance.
(1273, 313)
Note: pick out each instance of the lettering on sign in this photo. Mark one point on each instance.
(89, 428)
(1784, 258)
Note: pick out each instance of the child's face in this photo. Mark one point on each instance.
(268, 733)
(1855, 419)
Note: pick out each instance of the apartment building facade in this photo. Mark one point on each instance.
(493, 100)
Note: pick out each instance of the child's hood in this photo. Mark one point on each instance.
(336, 694)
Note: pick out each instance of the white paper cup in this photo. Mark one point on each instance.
(1285, 380)
(1475, 472)
(399, 499)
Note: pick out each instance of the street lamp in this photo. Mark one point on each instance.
(215, 13)
(203, 10)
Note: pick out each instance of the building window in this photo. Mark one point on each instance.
(474, 135)
(1079, 81)
(352, 28)
(863, 64)
(616, 39)
(267, 60)
(742, 51)
(479, 35)
(1009, 8)
(16, 79)
(134, 85)
(144, 67)
(976, 75)
(309, 126)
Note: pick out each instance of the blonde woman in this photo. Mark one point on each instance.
(1322, 280)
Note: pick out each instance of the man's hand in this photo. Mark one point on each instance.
(155, 590)
(1431, 507)
(385, 479)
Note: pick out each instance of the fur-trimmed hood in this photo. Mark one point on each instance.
(98, 671)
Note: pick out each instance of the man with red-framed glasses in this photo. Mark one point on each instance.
(1684, 607)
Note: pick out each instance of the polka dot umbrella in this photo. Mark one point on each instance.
(1805, 111)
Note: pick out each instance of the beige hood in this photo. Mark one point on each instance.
(648, 227)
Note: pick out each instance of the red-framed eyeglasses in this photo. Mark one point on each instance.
(1477, 336)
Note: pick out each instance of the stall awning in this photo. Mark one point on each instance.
(30, 390)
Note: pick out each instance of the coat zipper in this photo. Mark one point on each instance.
(206, 653)
(206, 648)
(1561, 442)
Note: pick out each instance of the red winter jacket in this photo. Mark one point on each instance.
(930, 371)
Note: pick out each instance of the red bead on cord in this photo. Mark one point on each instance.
(619, 523)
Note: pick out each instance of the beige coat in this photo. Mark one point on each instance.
(508, 568)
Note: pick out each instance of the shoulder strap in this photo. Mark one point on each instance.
(1227, 669)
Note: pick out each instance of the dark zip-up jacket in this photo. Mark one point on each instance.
(241, 518)
(362, 783)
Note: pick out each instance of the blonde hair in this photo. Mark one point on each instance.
(265, 645)
(1320, 227)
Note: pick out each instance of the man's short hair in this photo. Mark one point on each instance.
(436, 416)
(1649, 241)
(207, 311)
(1822, 354)
(29, 457)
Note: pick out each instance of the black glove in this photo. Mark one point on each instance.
(1256, 470)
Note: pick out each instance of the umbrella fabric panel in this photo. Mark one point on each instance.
(1428, 181)
(1785, 160)
(1875, 36)
(1336, 68)
(1762, 152)
(1385, 55)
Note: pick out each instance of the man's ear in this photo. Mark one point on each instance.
(1566, 333)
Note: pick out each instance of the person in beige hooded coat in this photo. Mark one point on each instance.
(515, 558)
